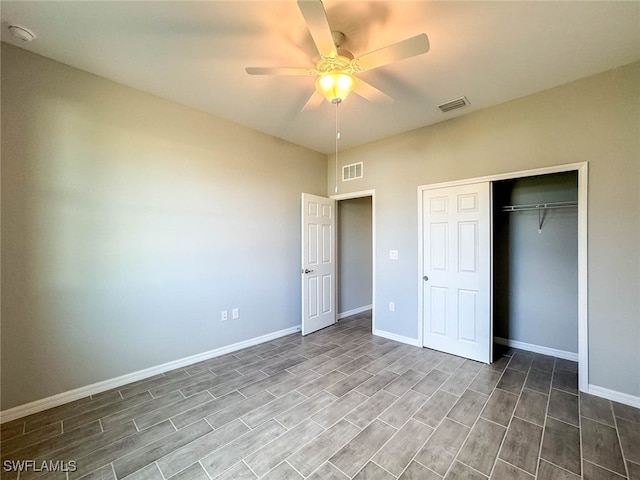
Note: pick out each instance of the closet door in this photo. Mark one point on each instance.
(456, 274)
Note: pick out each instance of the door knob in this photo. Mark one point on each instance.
(425, 278)
(306, 270)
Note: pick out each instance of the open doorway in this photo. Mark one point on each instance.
(355, 249)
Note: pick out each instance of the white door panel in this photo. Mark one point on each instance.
(456, 270)
(318, 263)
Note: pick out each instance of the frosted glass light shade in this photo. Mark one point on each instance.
(335, 86)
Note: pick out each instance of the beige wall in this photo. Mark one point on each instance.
(595, 120)
(128, 224)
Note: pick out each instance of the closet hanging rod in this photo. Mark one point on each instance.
(538, 206)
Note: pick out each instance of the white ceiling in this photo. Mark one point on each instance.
(195, 52)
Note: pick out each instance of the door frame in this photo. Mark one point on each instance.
(582, 169)
(350, 196)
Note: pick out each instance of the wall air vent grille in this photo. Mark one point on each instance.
(352, 172)
(453, 104)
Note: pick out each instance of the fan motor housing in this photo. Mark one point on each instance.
(332, 64)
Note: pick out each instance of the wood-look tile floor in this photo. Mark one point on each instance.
(338, 404)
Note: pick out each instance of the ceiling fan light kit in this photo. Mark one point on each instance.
(335, 86)
(337, 68)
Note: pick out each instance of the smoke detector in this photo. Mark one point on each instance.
(21, 33)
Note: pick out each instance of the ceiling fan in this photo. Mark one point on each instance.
(337, 68)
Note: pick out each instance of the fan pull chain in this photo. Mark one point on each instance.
(337, 138)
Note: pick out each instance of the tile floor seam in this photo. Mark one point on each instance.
(207, 422)
(462, 445)
(380, 448)
(420, 421)
(445, 417)
(510, 464)
(544, 429)
(171, 422)
(287, 429)
(113, 471)
(413, 457)
(469, 466)
(455, 421)
(243, 461)
(245, 424)
(608, 469)
(504, 438)
(423, 465)
(624, 459)
(337, 468)
(597, 421)
(507, 391)
(564, 421)
(496, 423)
(564, 469)
(324, 429)
(386, 423)
(199, 462)
(346, 420)
(382, 468)
(580, 435)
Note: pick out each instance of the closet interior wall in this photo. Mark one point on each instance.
(535, 294)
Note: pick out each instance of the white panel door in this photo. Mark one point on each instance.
(456, 274)
(318, 263)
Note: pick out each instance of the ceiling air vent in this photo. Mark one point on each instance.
(352, 172)
(453, 104)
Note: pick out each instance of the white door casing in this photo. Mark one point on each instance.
(456, 270)
(318, 263)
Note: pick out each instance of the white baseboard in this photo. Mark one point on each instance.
(398, 338)
(614, 395)
(78, 393)
(619, 397)
(537, 349)
(355, 311)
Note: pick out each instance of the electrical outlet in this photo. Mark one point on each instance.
(393, 254)
(392, 307)
(225, 315)
(235, 313)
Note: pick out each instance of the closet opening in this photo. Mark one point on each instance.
(536, 264)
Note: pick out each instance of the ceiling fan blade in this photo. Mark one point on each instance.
(371, 93)
(316, 18)
(294, 71)
(314, 101)
(397, 51)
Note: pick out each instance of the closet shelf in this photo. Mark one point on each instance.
(538, 206)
